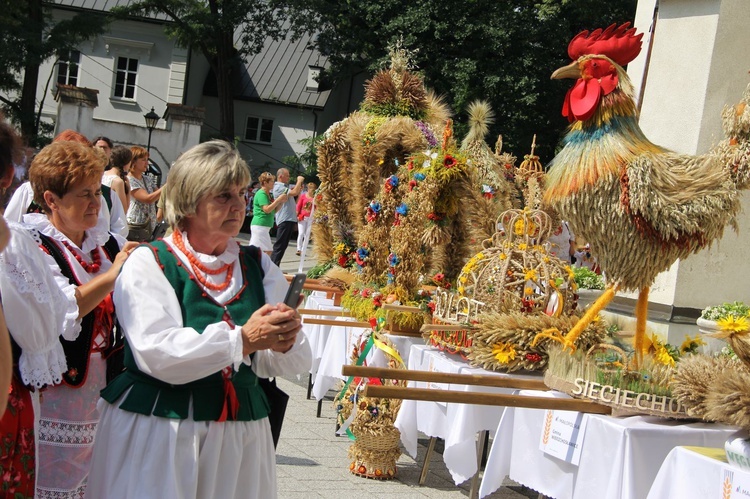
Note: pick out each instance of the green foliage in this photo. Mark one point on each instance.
(319, 270)
(716, 312)
(30, 37)
(307, 162)
(587, 279)
(503, 52)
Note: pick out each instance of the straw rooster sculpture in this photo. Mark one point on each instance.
(640, 205)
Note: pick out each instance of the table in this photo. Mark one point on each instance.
(457, 424)
(695, 472)
(619, 456)
(332, 348)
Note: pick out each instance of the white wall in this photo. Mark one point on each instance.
(698, 63)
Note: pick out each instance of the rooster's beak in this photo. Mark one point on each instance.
(569, 71)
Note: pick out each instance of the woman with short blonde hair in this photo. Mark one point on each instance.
(203, 320)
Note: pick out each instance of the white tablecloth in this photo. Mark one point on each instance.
(317, 334)
(694, 472)
(457, 424)
(332, 347)
(619, 456)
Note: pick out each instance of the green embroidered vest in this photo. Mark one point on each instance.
(149, 395)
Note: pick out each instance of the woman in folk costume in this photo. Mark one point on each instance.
(39, 307)
(66, 177)
(204, 320)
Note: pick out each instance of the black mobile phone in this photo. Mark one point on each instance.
(295, 288)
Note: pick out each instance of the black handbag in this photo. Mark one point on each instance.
(277, 400)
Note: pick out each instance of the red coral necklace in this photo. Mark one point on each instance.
(96, 259)
(198, 268)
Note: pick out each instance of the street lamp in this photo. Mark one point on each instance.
(151, 120)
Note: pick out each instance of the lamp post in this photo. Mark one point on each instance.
(151, 120)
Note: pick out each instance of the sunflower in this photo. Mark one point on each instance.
(732, 324)
(503, 352)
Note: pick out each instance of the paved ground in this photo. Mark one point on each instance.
(312, 462)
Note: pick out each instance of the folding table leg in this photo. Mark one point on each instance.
(309, 385)
(474, 490)
(320, 407)
(427, 457)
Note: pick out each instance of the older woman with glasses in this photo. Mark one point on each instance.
(203, 321)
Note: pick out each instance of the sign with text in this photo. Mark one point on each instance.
(735, 484)
(562, 435)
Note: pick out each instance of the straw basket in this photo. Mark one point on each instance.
(375, 452)
(601, 374)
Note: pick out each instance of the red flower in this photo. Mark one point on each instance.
(373, 322)
(342, 261)
(431, 306)
(533, 357)
(412, 184)
(439, 277)
(365, 293)
(449, 161)
(508, 166)
(410, 165)
(377, 301)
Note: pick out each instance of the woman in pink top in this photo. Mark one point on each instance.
(304, 209)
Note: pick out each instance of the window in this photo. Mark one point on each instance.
(67, 68)
(259, 129)
(125, 78)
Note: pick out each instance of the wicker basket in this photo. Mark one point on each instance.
(375, 452)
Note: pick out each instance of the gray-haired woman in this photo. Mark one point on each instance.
(202, 320)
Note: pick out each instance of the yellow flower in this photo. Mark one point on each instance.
(733, 324)
(528, 291)
(530, 275)
(662, 356)
(570, 272)
(523, 246)
(503, 352)
(518, 227)
(479, 256)
(463, 279)
(503, 256)
(691, 344)
(461, 290)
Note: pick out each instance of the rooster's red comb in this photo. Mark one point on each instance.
(619, 43)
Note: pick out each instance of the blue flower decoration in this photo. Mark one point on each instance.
(375, 206)
(402, 209)
(363, 252)
(419, 176)
(393, 180)
(393, 260)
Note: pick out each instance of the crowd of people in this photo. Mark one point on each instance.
(136, 365)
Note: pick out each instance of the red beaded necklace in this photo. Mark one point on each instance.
(96, 259)
(198, 267)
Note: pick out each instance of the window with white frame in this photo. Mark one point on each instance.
(67, 68)
(125, 78)
(259, 129)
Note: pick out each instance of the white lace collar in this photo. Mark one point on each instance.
(228, 256)
(93, 237)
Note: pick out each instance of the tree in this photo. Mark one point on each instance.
(31, 36)
(211, 27)
(503, 52)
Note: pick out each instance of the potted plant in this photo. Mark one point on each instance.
(716, 318)
(590, 286)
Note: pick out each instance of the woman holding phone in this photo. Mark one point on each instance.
(205, 320)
